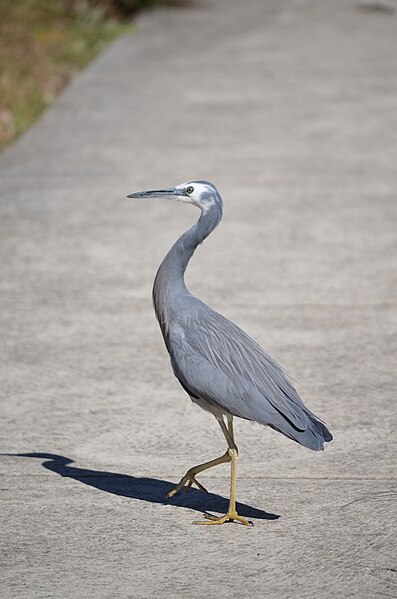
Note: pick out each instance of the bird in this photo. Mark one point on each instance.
(221, 368)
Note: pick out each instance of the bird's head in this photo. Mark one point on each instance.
(200, 193)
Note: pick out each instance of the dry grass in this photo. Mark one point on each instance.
(43, 43)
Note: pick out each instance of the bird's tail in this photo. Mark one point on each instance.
(320, 432)
(313, 437)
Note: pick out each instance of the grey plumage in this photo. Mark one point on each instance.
(218, 364)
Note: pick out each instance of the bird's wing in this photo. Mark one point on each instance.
(217, 361)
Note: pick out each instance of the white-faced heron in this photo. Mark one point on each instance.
(218, 365)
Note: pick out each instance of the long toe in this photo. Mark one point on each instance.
(187, 482)
(194, 481)
(229, 517)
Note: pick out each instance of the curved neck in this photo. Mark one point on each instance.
(169, 281)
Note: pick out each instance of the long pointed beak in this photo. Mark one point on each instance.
(157, 193)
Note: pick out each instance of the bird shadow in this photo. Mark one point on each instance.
(152, 490)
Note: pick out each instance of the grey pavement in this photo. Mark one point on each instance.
(290, 108)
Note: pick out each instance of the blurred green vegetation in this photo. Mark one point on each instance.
(43, 43)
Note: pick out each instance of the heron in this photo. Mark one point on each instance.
(221, 368)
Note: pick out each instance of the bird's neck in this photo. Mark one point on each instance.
(169, 284)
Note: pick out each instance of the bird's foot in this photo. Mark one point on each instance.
(229, 517)
(188, 480)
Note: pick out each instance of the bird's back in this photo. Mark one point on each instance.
(218, 363)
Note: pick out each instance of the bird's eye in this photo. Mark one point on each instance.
(189, 189)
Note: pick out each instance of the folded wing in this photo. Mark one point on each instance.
(218, 362)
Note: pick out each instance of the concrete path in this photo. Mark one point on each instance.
(290, 107)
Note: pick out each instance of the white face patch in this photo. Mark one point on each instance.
(200, 194)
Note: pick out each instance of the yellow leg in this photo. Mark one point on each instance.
(190, 477)
(231, 514)
(230, 427)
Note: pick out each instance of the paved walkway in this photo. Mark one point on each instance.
(290, 107)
